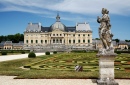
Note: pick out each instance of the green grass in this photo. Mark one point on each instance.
(61, 66)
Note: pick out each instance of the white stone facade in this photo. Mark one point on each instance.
(57, 34)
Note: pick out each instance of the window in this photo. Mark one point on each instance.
(45, 41)
(88, 41)
(53, 40)
(53, 34)
(88, 34)
(83, 41)
(41, 41)
(83, 34)
(26, 41)
(31, 41)
(36, 41)
(56, 40)
(73, 35)
(60, 34)
(73, 41)
(57, 34)
(78, 41)
(69, 41)
(78, 34)
(60, 41)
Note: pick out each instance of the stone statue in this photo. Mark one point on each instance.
(105, 33)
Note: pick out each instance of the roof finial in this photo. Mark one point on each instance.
(57, 17)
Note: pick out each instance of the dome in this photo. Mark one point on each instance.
(58, 25)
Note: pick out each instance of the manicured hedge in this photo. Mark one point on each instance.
(23, 52)
(15, 51)
(47, 53)
(119, 52)
(79, 51)
(3, 53)
(31, 55)
(55, 52)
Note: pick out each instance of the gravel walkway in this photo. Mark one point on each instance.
(19, 56)
(8, 80)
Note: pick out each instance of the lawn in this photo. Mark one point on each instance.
(62, 66)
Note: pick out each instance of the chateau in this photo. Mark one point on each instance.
(57, 36)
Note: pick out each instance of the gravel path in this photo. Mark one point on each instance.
(8, 80)
(19, 56)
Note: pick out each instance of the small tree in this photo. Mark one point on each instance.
(3, 53)
(31, 55)
(47, 53)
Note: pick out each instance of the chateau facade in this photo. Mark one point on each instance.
(57, 36)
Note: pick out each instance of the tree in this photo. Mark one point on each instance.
(97, 39)
(14, 38)
(117, 40)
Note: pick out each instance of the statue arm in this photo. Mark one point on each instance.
(98, 19)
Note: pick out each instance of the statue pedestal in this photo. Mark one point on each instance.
(106, 69)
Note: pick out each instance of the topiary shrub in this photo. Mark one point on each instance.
(55, 52)
(47, 53)
(31, 55)
(3, 53)
(23, 52)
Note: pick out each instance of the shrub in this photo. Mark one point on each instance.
(47, 53)
(3, 53)
(79, 51)
(23, 52)
(118, 52)
(31, 55)
(55, 52)
(12, 51)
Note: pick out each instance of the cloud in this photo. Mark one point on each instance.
(81, 7)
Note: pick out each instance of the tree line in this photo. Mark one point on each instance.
(14, 38)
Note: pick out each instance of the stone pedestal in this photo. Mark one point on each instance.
(106, 69)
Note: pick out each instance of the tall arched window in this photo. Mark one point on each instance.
(69, 41)
(41, 41)
(36, 41)
(31, 41)
(45, 41)
(88, 41)
(26, 41)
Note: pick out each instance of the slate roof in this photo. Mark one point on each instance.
(45, 29)
(33, 27)
(122, 43)
(83, 26)
(70, 29)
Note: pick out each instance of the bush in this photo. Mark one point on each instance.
(47, 53)
(55, 52)
(23, 52)
(118, 52)
(79, 51)
(31, 55)
(3, 53)
(12, 51)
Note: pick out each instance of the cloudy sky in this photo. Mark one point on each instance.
(16, 14)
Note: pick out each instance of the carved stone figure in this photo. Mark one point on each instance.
(105, 32)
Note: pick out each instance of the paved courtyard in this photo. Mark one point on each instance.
(8, 80)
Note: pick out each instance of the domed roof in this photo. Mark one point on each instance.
(58, 25)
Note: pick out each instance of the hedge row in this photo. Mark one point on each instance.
(84, 51)
(119, 52)
(15, 51)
